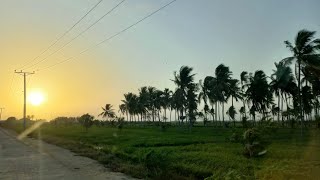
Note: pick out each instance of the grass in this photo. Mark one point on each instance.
(177, 153)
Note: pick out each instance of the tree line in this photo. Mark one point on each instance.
(260, 94)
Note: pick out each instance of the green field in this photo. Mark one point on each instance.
(178, 153)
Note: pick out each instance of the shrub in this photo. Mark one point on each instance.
(86, 121)
(244, 122)
(254, 143)
(120, 123)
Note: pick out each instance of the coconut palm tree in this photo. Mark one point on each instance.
(178, 102)
(223, 79)
(212, 93)
(166, 99)
(107, 112)
(143, 101)
(123, 109)
(192, 103)
(258, 93)
(151, 101)
(305, 52)
(244, 81)
(203, 96)
(234, 90)
(275, 111)
(157, 102)
(131, 101)
(184, 81)
(232, 112)
(307, 100)
(280, 79)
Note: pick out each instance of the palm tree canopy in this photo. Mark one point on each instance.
(234, 89)
(244, 77)
(281, 78)
(184, 77)
(305, 49)
(232, 112)
(258, 92)
(107, 111)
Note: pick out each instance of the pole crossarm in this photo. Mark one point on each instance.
(24, 72)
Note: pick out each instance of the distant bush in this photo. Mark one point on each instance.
(244, 122)
(86, 121)
(120, 123)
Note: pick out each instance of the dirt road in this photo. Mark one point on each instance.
(34, 159)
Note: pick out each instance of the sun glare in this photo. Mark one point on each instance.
(36, 98)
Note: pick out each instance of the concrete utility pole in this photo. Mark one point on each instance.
(25, 94)
(1, 112)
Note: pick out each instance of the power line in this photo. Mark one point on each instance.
(63, 35)
(111, 37)
(82, 32)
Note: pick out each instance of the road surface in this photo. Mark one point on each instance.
(34, 159)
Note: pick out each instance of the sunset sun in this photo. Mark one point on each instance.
(36, 98)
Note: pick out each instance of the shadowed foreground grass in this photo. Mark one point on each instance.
(180, 154)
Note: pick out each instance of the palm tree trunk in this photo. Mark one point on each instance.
(223, 114)
(165, 114)
(299, 95)
(282, 109)
(159, 116)
(278, 107)
(288, 113)
(232, 101)
(219, 114)
(153, 114)
(244, 107)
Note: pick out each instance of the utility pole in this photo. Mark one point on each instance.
(1, 112)
(24, 74)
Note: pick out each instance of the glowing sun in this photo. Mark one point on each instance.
(36, 98)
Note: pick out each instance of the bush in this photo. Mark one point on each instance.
(86, 121)
(120, 123)
(254, 143)
(244, 122)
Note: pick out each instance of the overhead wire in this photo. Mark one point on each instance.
(82, 32)
(111, 37)
(63, 35)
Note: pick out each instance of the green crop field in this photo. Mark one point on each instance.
(178, 153)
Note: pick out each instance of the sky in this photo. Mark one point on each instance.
(246, 35)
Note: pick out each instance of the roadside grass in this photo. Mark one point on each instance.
(177, 153)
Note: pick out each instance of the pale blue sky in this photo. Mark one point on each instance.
(242, 34)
